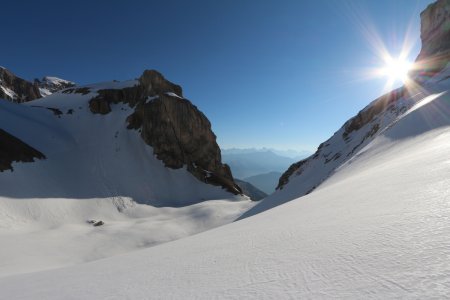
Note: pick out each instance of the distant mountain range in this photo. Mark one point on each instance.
(19, 90)
(260, 167)
(249, 162)
(266, 182)
(285, 153)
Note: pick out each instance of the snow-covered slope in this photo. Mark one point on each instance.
(94, 167)
(18, 90)
(430, 69)
(91, 155)
(305, 176)
(378, 228)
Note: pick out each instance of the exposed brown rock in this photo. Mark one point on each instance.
(24, 90)
(99, 106)
(435, 36)
(378, 106)
(154, 84)
(14, 150)
(178, 132)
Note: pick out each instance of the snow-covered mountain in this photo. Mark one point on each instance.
(267, 182)
(135, 155)
(260, 167)
(431, 70)
(250, 190)
(49, 85)
(136, 138)
(376, 229)
(16, 89)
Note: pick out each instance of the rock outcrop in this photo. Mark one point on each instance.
(178, 132)
(435, 37)
(16, 89)
(14, 150)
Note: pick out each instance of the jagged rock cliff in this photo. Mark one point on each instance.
(137, 139)
(179, 133)
(16, 89)
(435, 37)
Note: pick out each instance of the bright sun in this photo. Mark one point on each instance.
(396, 69)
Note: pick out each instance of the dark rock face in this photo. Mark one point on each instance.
(378, 106)
(179, 133)
(435, 36)
(14, 150)
(154, 84)
(22, 90)
(99, 106)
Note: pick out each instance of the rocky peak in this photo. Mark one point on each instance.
(154, 84)
(16, 89)
(49, 85)
(178, 132)
(435, 36)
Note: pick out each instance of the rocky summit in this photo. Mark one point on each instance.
(19, 90)
(435, 37)
(179, 133)
(16, 89)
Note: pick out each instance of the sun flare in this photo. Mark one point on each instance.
(395, 69)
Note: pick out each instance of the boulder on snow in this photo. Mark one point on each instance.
(95, 223)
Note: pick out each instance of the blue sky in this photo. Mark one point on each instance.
(282, 74)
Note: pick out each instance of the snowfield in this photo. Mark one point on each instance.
(39, 234)
(97, 169)
(378, 228)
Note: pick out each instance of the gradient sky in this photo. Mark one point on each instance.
(282, 74)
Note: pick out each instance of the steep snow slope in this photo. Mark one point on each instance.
(91, 156)
(378, 228)
(306, 175)
(94, 168)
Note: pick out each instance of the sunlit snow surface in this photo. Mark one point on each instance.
(378, 228)
(95, 169)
